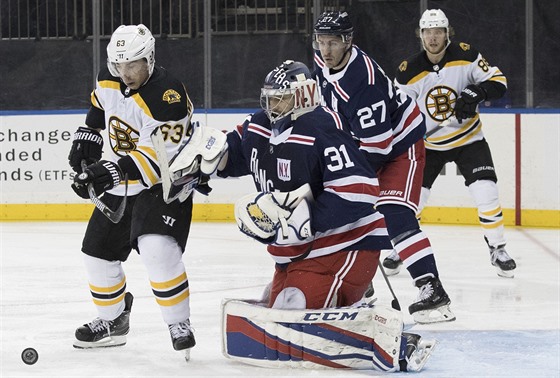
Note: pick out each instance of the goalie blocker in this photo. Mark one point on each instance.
(365, 337)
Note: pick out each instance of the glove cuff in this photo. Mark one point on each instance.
(479, 93)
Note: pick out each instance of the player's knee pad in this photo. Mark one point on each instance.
(102, 272)
(485, 194)
(399, 219)
(290, 298)
(161, 255)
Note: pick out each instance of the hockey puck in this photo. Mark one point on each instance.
(29, 356)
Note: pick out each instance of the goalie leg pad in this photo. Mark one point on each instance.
(366, 337)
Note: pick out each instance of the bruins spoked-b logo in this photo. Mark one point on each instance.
(123, 137)
(440, 102)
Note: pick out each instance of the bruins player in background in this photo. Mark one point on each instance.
(132, 98)
(448, 80)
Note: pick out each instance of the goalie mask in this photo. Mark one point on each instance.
(128, 44)
(289, 90)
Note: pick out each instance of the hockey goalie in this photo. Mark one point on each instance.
(313, 210)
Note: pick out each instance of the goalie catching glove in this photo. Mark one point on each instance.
(104, 176)
(282, 218)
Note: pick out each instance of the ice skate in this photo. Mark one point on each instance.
(503, 263)
(418, 350)
(432, 304)
(392, 263)
(101, 333)
(370, 291)
(182, 337)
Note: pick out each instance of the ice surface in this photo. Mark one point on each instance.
(504, 327)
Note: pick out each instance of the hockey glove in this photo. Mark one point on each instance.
(466, 104)
(202, 152)
(295, 229)
(87, 145)
(104, 176)
(271, 217)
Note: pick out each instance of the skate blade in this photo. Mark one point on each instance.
(437, 315)
(392, 272)
(505, 273)
(107, 342)
(186, 353)
(420, 356)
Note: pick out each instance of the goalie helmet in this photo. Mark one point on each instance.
(289, 90)
(128, 44)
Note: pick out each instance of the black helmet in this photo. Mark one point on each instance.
(286, 73)
(334, 23)
(282, 83)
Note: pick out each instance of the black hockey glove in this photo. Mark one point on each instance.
(104, 175)
(87, 145)
(466, 104)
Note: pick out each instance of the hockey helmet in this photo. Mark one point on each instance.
(289, 89)
(333, 23)
(433, 18)
(128, 44)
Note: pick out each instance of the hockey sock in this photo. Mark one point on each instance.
(162, 257)
(107, 284)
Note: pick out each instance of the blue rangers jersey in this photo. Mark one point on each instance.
(435, 87)
(128, 118)
(384, 119)
(313, 150)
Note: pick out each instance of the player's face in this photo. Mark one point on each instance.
(332, 49)
(133, 74)
(281, 105)
(435, 40)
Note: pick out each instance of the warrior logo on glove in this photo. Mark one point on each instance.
(104, 176)
(87, 145)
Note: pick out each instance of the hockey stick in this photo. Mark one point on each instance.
(395, 302)
(447, 122)
(113, 216)
(182, 188)
(161, 153)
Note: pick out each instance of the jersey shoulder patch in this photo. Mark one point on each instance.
(461, 51)
(166, 97)
(411, 67)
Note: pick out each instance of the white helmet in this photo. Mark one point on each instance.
(128, 44)
(434, 18)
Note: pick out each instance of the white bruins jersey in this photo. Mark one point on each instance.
(129, 117)
(436, 87)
